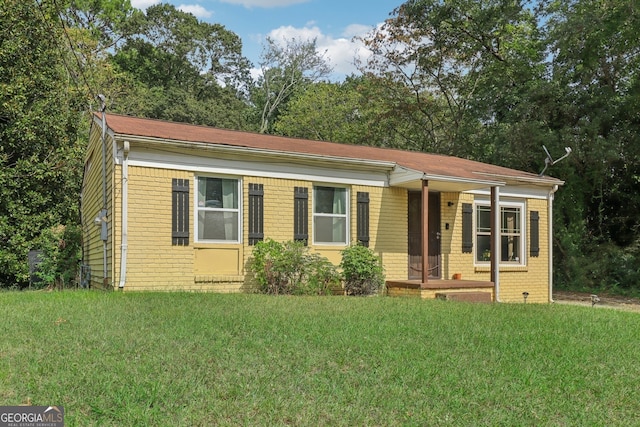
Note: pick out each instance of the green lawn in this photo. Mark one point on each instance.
(204, 359)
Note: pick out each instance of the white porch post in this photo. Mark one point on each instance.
(496, 254)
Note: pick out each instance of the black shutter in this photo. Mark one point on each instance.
(467, 228)
(362, 218)
(301, 214)
(256, 213)
(534, 234)
(180, 212)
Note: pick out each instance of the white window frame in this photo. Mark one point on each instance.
(521, 206)
(346, 216)
(199, 209)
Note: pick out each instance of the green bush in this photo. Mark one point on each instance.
(61, 254)
(362, 271)
(288, 268)
(321, 279)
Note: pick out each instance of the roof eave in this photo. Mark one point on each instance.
(260, 152)
(532, 180)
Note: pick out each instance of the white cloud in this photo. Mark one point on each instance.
(255, 73)
(196, 10)
(264, 3)
(341, 52)
(354, 30)
(289, 32)
(143, 4)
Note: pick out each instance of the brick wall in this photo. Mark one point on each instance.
(532, 278)
(388, 229)
(453, 260)
(387, 220)
(153, 263)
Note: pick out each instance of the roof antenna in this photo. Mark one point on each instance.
(549, 160)
(103, 100)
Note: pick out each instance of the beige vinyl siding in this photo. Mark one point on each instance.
(92, 203)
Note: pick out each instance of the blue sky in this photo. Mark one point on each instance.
(333, 23)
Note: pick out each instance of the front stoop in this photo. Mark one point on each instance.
(452, 290)
(464, 296)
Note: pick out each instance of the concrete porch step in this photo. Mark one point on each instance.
(464, 296)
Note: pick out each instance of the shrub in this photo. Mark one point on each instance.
(321, 276)
(362, 271)
(61, 254)
(289, 268)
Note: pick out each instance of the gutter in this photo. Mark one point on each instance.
(550, 238)
(523, 179)
(103, 213)
(125, 214)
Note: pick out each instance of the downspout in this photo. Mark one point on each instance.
(124, 219)
(550, 238)
(496, 254)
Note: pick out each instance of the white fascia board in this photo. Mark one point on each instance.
(97, 119)
(264, 166)
(517, 192)
(109, 136)
(540, 180)
(257, 152)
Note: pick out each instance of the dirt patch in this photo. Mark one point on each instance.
(603, 300)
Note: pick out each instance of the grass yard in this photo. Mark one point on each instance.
(188, 359)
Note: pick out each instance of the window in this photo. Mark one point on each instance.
(330, 215)
(218, 209)
(511, 233)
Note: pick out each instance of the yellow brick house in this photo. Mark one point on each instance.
(172, 206)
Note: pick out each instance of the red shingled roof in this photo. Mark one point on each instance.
(430, 164)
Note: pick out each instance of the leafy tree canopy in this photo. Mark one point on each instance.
(286, 68)
(182, 69)
(40, 165)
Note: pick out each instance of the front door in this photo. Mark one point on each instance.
(415, 235)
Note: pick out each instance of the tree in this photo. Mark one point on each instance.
(596, 63)
(285, 69)
(40, 156)
(455, 69)
(352, 112)
(91, 30)
(495, 80)
(183, 70)
(323, 111)
(105, 22)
